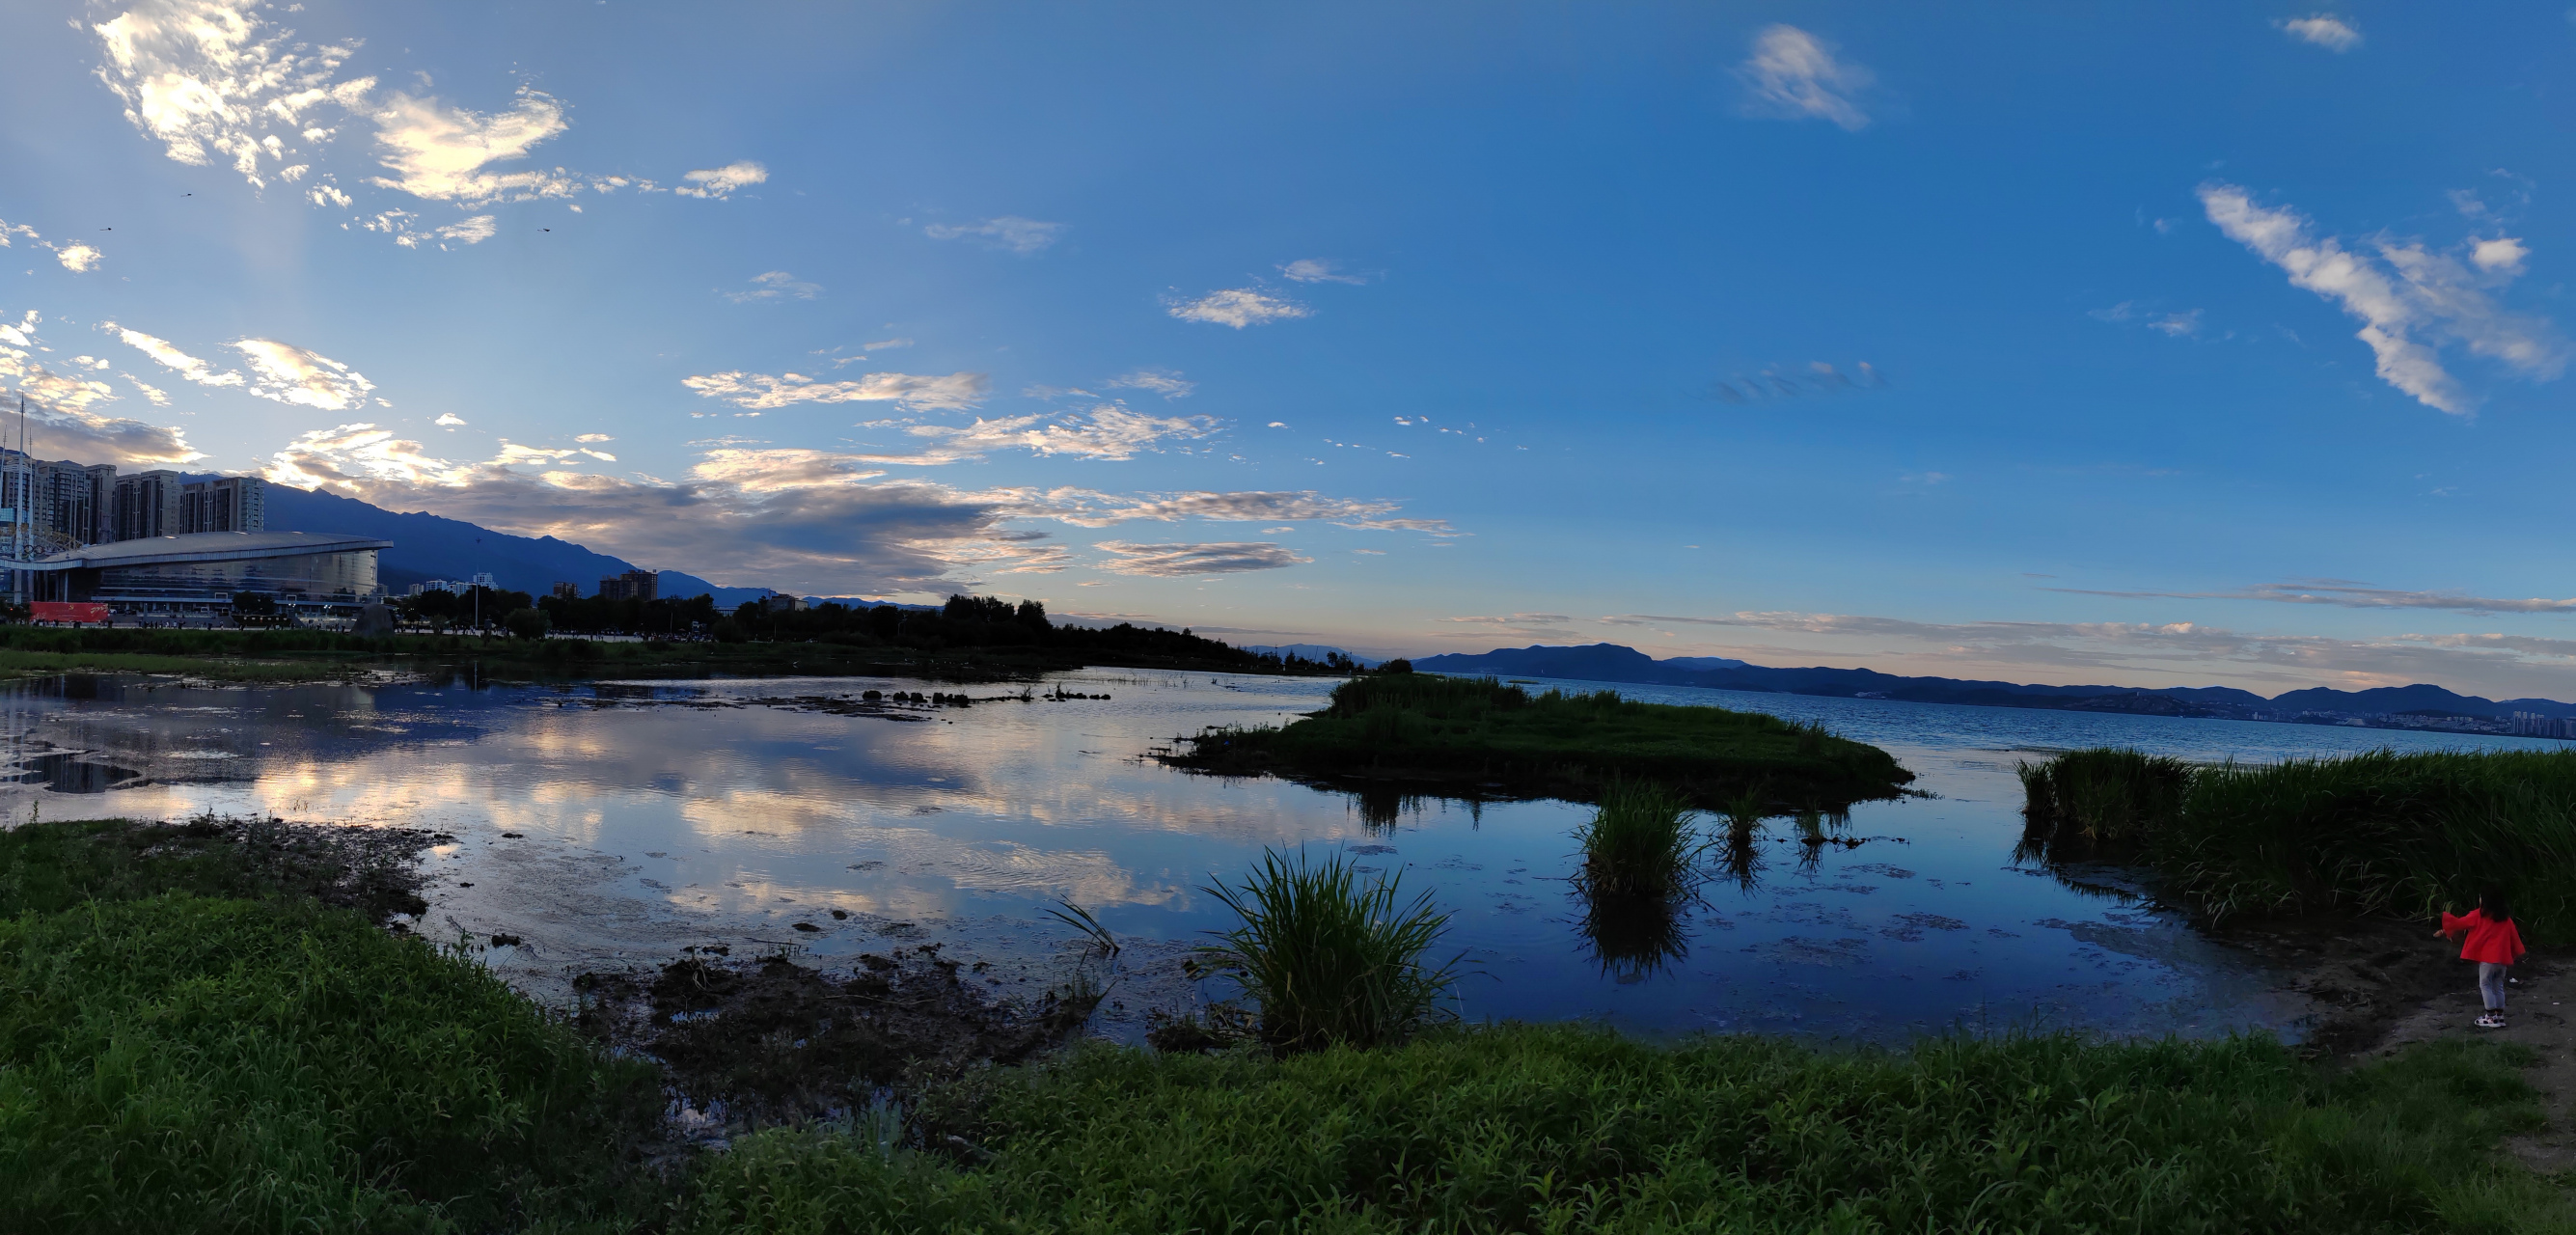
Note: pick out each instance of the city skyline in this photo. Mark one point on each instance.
(2209, 345)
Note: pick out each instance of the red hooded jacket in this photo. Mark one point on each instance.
(2496, 943)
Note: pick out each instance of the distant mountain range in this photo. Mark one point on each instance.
(429, 547)
(1609, 662)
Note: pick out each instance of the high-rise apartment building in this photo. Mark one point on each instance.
(224, 504)
(633, 585)
(147, 504)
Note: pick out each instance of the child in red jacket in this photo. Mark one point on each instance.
(2494, 943)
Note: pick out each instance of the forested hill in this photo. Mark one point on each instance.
(1610, 662)
(428, 546)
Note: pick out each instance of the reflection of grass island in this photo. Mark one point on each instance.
(1479, 737)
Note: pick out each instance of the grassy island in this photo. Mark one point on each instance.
(1482, 737)
(2375, 833)
(201, 1029)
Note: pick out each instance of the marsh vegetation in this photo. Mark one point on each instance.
(1331, 957)
(2372, 833)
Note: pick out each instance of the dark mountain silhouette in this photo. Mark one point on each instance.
(1610, 662)
(428, 546)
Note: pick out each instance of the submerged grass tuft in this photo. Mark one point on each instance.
(1331, 959)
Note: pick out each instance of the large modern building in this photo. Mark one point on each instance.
(207, 569)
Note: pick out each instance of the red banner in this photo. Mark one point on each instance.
(70, 611)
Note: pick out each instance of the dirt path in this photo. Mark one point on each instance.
(2540, 1013)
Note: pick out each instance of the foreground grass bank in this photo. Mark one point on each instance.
(237, 1056)
(1474, 735)
(2372, 833)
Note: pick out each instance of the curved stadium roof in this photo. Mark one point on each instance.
(202, 547)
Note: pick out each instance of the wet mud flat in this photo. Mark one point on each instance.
(762, 1041)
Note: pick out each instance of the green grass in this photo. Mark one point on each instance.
(1477, 733)
(178, 1063)
(1330, 957)
(2377, 833)
(1641, 841)
(1551, 1129)
(53, 867)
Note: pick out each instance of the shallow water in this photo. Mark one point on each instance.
(617, 823)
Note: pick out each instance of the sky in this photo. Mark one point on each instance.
(2147, 345)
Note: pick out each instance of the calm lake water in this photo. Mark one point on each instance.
(611, 824)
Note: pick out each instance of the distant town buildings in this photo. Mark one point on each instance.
(458, 587)
(68, 505)
(633, 585)
(566, 589)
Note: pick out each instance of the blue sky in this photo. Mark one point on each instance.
(2132, 344)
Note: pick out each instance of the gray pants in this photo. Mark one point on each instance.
(2491, 985)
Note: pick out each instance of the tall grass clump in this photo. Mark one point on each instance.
(1642, 841)
(1329, 958)
(2385, 833)
(2100, 801)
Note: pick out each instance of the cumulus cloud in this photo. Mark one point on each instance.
(1106, 432)
(2407, 296)
(290, 374)
(1794, 74)
(210, 79)
(8, 229)
(1238, 307)
(2502, 255)
(760, 391)
(720, 182)
(1169, 385)
(60, 422)
(776, 285)
(1009, 233)
(79, 258)
(448, 420)
(1318, 270)
(2325, 30)
(442, 152)
(1175, 561)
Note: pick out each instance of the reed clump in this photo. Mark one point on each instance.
(1642, 841)
(2104, 801)
(2373, 833)
(1330, 958)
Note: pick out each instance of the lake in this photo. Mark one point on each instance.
(611, 824)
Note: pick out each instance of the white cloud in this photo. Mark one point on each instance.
(760, 391)
(776, 285)
(2408, 292)
(440, 152)
(60, 424)
(1318, 270)
(2323, 29)
(171, 358)
(2177, 325)
(448, 420)
(158, 396)
(2502, 255)
(720, 182)
(8, 229)
(290, 374)
(1238, 307)
(1169, 385)
(1089, 508)
(1108, 432)
(1794, 74)
(594, 437)
(1176, 561)
(78, 258)
(1009, 232)
(207, 78)
(883, 344)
